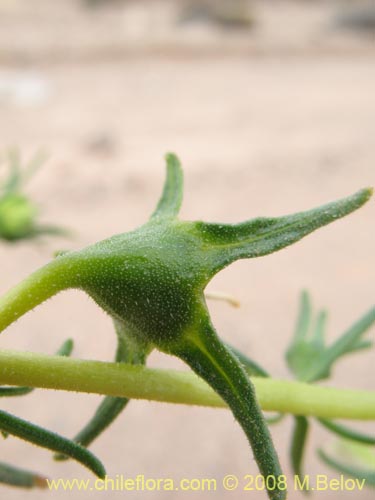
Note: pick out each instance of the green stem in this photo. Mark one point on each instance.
(115, 379)
(214, 362)
(35, 289)
(64, 350)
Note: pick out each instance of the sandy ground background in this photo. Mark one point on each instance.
(268, 120)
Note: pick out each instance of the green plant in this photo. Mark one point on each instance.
(151, 282)
(310, 360)
(18, 213)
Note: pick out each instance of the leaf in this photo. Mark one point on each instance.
(251, 367)
(346, 432)
(50, 230)
(365, 475)
(359, 346)
(15, 476)
(308, 357)
(15, 391)
(297, 449)
(304, 317)
(171, 198)
(66, 348)
(263, 236)
(50, 440)
(110, 407)
(13, 182)
(348, 341)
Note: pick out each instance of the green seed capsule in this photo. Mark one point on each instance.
(17, 215)
(152, 282)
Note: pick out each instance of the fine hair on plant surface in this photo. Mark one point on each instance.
(151, 282)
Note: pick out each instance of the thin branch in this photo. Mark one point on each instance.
(136, 382)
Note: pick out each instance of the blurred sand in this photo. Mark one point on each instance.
(264, 126)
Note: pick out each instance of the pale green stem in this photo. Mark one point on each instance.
(137, 382)
(57, 275)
